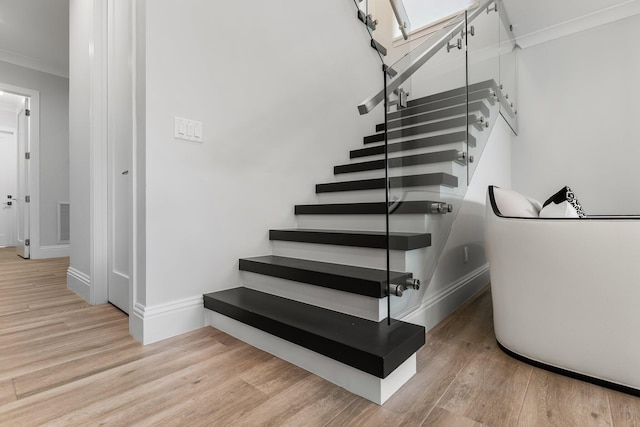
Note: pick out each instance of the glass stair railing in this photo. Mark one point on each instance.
(440, 102)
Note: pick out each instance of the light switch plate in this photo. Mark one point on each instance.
(186, 129)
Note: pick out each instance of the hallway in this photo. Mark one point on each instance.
(63, 362)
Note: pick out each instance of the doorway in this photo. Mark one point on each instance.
(15, 169)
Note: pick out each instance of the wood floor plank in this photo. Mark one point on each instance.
(362, 413)
(490, 390)
(471, 324)
(7, 392)
(162, 396)
(625, 409)
(273, 376)
(55, 403)
(314, 394)
(442, 418)
(443, 362)
(555, 400)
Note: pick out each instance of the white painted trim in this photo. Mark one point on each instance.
(79, 282)
(32, 63)
(155, 323)
(601, 17)
(137, 214)
(53, 251)
(435, 308)
(370, 387)
(98, 155)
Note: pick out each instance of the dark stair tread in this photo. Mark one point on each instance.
(371, 208)
(484, 94)
(358, 280)
(426, 142)
(398, 162)
(372, 347)
(363, 239)
(423, 128)
(458, 110)
(437, 178)
(474, 87)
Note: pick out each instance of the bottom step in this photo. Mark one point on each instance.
(372, 347)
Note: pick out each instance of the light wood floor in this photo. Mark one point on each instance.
(63, 362)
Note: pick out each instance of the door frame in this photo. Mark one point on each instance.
(34, 167)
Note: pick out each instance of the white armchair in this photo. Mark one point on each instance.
(566, 291)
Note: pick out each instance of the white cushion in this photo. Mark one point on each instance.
(514, 204)
(562, 210)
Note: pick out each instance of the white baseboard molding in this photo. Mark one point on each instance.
(52, 251)
(435, 308)
(370, 387)
(79, 282)
(149, 324)
(601, 17)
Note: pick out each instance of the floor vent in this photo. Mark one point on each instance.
(63, 222)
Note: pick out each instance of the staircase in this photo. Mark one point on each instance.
(320, 300)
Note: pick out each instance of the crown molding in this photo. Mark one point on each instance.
(595, 19)
(33, 63)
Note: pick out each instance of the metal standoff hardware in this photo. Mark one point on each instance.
(457, 44)
(440, 208)
(472, 31)
(413, 284)
(492, 9)
(396, 290)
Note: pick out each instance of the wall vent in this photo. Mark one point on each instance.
(63, 222)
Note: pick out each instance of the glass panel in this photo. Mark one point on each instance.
(508, 83)
(483, 39)
(426, 143)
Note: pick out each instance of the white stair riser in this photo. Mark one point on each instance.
(460, 146)
(450, 167)
(431, 192)
(398, 223)
(348, 255)
(344, 302)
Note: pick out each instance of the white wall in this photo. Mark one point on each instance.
(578, 118)
(54, 142)
(455, 280)
(277, 96)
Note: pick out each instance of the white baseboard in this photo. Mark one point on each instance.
(51, 251)
(435, 308)
(370, 387)
(149, 324)
(79, 282)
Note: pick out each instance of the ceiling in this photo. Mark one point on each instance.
(35, 34)
(529, 17)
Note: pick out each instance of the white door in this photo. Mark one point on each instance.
(120, 134)
(8, 178)
(23, 198)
